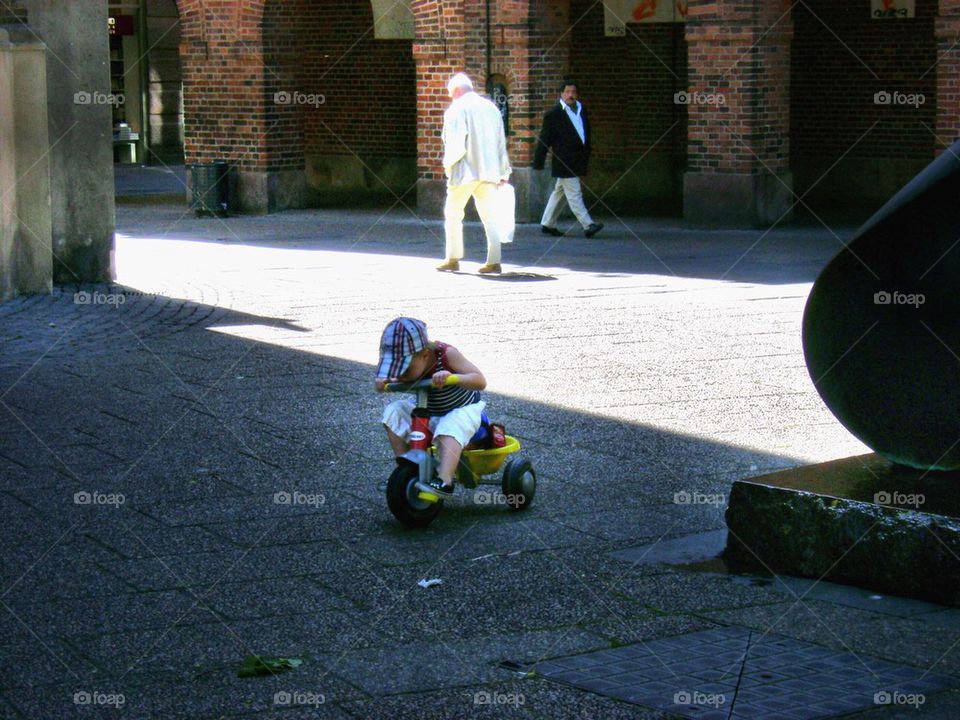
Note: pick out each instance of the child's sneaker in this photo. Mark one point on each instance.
(435, 485)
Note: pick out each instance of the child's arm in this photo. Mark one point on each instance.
(470, 376)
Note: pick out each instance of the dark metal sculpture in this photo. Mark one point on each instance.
(881, 329)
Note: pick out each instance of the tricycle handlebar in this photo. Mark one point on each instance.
(419, 384)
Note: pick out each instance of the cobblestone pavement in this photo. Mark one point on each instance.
(193, 470)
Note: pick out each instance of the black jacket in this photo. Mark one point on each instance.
(570, 155)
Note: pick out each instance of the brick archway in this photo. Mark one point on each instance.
(226, 80)
(300, 98)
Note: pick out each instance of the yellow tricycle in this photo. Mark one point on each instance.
(417, 508)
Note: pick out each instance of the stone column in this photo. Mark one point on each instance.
(80, 135)
(26, 255)
(739, 112)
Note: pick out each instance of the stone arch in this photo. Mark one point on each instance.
(353, 127)
(848, 149)
(286, 92)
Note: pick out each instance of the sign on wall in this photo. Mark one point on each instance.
(892, 9)
(617, 13)
(392, 20)
(121, 25)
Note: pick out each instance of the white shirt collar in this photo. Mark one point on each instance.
(569, 109)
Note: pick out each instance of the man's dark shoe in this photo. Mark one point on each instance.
(593, 229)
(435, 485)
(449, 265)
(556, 232)
(490, 268)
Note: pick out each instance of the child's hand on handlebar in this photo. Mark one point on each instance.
(380, 385)
(440, 377)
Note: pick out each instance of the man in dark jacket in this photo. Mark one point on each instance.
(566, 132)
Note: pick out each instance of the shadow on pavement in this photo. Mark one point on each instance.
(174, 499)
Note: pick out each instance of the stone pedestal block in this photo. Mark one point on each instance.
(862, 521)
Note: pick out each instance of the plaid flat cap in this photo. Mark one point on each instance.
(402, 338)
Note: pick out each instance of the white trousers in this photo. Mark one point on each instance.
(460, 423)
(571, 188)
(482, 193)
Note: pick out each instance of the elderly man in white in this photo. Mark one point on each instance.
(475, 161)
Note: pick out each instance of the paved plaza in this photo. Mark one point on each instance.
(192, 472)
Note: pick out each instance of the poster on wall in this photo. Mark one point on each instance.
(121, 25)
(617, 13)
(892, 9)
(392, 20)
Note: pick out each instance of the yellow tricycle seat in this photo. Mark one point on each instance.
(489, 460)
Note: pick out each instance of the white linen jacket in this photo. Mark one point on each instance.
(474, 145)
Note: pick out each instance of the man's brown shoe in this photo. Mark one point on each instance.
(449, 265)
(490, 268)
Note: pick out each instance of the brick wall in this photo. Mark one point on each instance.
(296, 84)
(369, 85)
(948, 73)
(439, 51)
(223, 76)
(284, 28)
(740, 54)
(628, 85)
(841, 59)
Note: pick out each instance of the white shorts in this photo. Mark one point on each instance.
(460, 423)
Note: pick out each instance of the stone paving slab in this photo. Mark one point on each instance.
(732, 672)
(528, 699)
(926, 642)
(309, 693)
(111, 613)
(443, 663)
(183, 650)
(32, 661)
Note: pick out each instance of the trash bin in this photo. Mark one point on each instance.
(210, 186)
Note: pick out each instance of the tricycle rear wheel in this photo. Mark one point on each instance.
(519, 483)
(403, 498)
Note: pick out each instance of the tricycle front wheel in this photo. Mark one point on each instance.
(519, 483)
(404, 501)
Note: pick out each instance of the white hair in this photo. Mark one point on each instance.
(460, 80)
